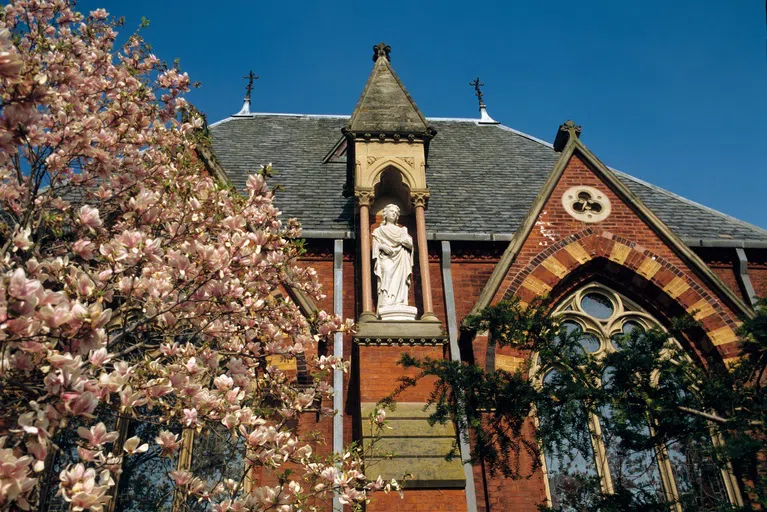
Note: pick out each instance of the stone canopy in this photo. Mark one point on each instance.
(385, 105)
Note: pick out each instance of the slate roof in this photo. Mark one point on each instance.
(483, 179)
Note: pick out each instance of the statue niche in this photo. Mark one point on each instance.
(393, 266)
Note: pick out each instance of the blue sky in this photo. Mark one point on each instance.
(672, 92)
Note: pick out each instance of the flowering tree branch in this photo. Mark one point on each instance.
(135, 285)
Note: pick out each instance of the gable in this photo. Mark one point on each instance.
(584, 214)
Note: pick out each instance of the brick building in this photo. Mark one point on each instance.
(494, 213)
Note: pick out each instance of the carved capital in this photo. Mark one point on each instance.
(364, 197)
(419, 198)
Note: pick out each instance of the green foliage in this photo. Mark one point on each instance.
(646, 394)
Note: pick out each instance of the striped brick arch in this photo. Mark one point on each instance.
(560, 260)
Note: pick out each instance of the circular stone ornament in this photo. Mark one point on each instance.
(586, 204)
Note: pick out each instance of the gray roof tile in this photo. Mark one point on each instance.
(483, 178)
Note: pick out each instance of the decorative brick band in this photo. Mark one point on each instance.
(383, 342)
(561, 259)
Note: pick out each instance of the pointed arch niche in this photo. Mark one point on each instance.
(392, 183)
(391, 187)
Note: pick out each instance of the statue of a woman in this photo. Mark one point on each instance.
(393, 255)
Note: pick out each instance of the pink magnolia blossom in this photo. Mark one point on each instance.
(133, 446)
(136, 286)
(89, 217)
(10, 62)
(168, 442)
(97, 435)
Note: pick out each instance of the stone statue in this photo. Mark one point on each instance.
(393, 255)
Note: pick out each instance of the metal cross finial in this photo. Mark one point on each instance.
(250, 77)
(476, 84)
(381, 50)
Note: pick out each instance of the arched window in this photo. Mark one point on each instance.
(598, 317)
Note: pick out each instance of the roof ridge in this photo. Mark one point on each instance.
(689, 201)
(525, 135)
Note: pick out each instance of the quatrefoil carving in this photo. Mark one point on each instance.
(586, 204)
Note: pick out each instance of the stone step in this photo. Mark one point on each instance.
(411, 428)
(425, 472)
(402, 410)
(411, 446)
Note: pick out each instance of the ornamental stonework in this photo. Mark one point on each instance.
(586, 204)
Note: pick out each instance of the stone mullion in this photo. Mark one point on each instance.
(123, 424)
(600, 454)
(667, 474)
(728, 475)
(541, 452)
(184, 463)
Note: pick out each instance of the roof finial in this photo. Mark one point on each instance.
(475, 83)
(381, 50)
(567, 130)
(484, 117)
(250, 77)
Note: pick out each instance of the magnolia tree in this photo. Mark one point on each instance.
(137, 287)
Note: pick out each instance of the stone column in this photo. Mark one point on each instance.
(364, 199)
(419, 201)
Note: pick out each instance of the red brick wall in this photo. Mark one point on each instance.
(379, 372)
(726, 273)
(757, 270)
(524, 494)
(437, 294)
(723, 262)
(469, 279)
(377, 365)
(421, 500)
(556, 229)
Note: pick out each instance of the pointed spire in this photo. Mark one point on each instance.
(385, 107)
(245, 110)
(484, 117)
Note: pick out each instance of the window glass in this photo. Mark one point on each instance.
(67, 441)
(635, 470)
(144, 484)
(698, 478)
(587, 341)
(216, 457)
(629, 326)
(570, 468)
(597, 305)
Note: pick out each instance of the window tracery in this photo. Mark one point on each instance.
(599, 318)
